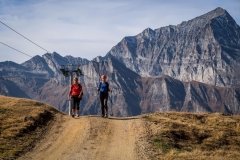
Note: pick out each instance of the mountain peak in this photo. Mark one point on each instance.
(148, 32)
(35, 59)
(219, 10)
(216, 13)
(207, 18)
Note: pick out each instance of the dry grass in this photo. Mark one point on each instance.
(193, 136)
(21, 124)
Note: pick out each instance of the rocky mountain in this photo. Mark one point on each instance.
(189, 67)
(205, 49)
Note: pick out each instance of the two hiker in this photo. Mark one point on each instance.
(76, 94)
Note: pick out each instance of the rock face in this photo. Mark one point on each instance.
(174, 95)
(205, 49)
(189, 67)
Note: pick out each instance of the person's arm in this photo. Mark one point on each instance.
(99, 86)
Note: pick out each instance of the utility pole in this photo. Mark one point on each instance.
(69, 71)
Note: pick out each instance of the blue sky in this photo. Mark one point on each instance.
(88, 28)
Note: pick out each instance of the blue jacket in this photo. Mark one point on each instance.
(103, 87)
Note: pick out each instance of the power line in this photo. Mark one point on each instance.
(16, 49)
(23, 36)
(63, 60)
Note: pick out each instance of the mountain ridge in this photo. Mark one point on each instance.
(187, 67)
(184, 45)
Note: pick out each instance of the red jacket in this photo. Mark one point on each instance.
(76, 90)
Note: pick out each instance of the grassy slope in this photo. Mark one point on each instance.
(22, 123)
(193, 136)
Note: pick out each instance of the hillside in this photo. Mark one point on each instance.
(193, 136)
(41, 132)
(22, 123)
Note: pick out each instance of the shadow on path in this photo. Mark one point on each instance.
(111, 117)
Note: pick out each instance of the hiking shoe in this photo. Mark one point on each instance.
(73, 115)
(102, 115)
(106, 116)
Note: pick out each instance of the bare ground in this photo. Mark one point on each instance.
(91, 138)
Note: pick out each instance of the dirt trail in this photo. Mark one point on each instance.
(91, 138)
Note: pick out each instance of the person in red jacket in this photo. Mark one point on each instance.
(75, 94)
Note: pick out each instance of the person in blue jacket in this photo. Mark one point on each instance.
(103, 89)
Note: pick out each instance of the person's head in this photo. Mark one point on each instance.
(104, 78)
(75, 80)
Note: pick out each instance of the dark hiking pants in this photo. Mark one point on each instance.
(75, 102)
(104, 99)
